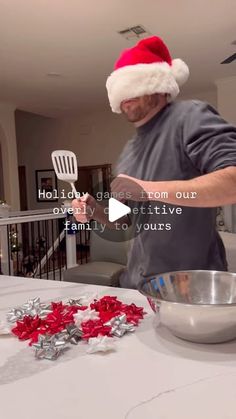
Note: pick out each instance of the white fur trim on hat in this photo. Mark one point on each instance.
(180, 71)
(141, 79)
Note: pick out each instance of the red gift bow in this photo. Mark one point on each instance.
(29, 328)
(62, 315)
(109, 307)
(93, 328)
(56, 321)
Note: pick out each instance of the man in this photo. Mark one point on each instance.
(184, 149)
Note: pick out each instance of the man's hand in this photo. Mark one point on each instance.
(84, 208)
(87, 208)
(125, 187)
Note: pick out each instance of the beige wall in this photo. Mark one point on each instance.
(96, 138)
(2, 196)
(209, 96)
(226, 92)
(35, 138)
(9, 155)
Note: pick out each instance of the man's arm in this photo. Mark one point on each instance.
(211, 190)
(209, 143)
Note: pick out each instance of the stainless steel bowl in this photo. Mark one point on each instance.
(199, 306)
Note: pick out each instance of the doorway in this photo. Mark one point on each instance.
(23, 188)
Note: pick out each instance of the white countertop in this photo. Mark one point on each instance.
(152, 375)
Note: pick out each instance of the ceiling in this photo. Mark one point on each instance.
(78, 39)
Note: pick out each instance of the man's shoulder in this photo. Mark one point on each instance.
(183, 110)
(192, 105)
(189, 104)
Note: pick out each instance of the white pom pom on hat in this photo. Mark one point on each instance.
(145, 69)
(180, 71)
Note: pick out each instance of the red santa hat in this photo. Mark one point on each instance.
(145, 69)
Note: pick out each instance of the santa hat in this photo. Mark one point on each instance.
(145, 69)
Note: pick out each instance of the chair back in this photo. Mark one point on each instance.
(110, 246)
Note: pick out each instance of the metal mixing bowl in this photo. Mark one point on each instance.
(199, 306)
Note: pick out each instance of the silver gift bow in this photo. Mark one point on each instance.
(32, 308)
(75, 302)
(74, 334)
(120, 326)
(50, 347)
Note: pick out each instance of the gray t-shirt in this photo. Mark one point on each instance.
(184, 140)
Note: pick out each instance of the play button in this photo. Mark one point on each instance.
(117, 210)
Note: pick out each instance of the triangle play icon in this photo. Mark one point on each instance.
(117, 210)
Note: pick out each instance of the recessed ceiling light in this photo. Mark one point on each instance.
(54, 74)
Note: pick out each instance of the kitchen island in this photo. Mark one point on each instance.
(151, 375)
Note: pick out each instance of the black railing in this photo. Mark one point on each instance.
(36, 246)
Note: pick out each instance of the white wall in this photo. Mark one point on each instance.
(9, 155)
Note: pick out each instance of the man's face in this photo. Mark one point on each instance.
(138, 108)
